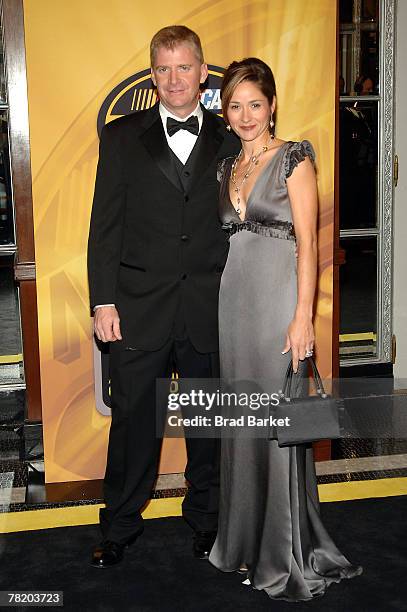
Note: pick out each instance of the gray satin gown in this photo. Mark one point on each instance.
(269, 519)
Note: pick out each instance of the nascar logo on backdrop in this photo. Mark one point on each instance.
(137, 92)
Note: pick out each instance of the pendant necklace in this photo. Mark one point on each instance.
(254, 160)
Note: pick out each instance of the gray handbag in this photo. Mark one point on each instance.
(311, 418)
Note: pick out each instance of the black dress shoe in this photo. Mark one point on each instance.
(110, 553)
(107, 554)
(202, 544)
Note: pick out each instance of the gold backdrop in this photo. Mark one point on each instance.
(77, 52)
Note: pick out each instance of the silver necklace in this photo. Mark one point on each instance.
(254, 160)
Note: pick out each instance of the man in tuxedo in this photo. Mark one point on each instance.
(155, 256)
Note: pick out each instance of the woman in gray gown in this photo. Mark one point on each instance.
(269, 522)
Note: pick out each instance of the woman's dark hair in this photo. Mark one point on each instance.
(249, 69)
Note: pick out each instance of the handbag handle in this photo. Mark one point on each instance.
(288, 380)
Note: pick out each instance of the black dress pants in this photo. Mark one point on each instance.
(134, 449)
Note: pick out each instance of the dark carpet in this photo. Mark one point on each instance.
(159, 573)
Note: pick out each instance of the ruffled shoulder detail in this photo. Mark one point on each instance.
(222, 165)
(295, 154)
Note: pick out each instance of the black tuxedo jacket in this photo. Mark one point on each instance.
(155, 242)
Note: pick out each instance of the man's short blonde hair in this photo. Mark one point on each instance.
(171, 36)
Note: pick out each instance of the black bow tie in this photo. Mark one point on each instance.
(191, 125)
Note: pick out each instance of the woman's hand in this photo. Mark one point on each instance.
(300, 339)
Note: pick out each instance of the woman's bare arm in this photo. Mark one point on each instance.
(302, 191)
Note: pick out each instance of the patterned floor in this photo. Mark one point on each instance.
(22, 482)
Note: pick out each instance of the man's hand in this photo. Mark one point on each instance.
(107, 324)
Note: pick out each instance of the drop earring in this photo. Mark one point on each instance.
(271, 128)
(228, 128)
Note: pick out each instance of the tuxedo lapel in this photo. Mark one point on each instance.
(202, 155)
(205, 149)
(156, 144)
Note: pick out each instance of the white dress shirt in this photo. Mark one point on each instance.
(181, 143)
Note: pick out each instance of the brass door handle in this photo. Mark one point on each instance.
(396, 170)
